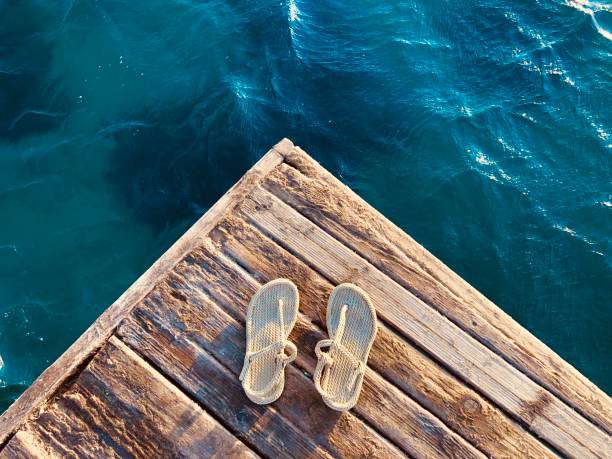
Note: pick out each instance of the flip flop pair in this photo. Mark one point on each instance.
(338, 376)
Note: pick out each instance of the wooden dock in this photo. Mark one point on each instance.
(450, 374)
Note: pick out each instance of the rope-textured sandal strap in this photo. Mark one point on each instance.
(325, 360)
(282, 358)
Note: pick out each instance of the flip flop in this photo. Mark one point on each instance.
(271, 315)
(351, 324)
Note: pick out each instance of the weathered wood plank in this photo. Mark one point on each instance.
(315, 193)
(68, 363)
(214, 386)
(546, 415)
(185, 334)
(384, 406)
(119, 406)
(461, 408)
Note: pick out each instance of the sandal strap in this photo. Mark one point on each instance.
(279, 349)
(325, 360)
(338, 347)
(282, 358)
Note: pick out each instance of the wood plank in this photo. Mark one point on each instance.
(187, 336)
(119, 406)
(213, 385)
(461, 408)
(50, 381)
(319, 196)
(384, 406)
(546, 415)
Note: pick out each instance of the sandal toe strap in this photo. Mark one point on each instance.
(281, 357)
(325, 361)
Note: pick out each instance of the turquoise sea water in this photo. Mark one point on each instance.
(481, 127)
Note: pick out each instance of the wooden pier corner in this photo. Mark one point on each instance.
(449, 375)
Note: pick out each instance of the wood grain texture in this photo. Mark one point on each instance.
(121, 407)
(461, 408)
(69, 363)
(188, 336)
(316, 194)
(381, 404)
(488, 373)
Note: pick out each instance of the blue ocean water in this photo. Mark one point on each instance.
(481, 127)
